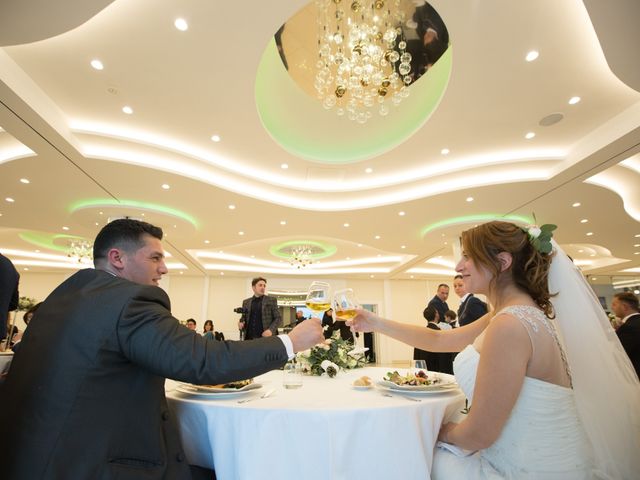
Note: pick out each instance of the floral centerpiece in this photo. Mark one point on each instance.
(331, 356)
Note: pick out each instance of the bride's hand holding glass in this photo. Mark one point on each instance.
(363, 321)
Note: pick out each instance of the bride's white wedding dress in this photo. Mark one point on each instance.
(543, 437)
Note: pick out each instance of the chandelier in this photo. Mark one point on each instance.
(362, 56)
(301, 256)
(81, 251)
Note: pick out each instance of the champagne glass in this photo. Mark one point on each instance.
(318, 297)
(417, 366)
(345, 304)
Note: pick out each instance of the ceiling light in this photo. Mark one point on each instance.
(411, 276)
(402, 214)
(636, 245)
(594, 278)
(589, 234)
(215, 138)
(166, 186)
(445, 151)
(283, 222)
(222, 273)
(372, 276)
(207, 242)
(284, 166)
(584, 220)
(181, 24)
(359, 244)
(345, 224)
(9, 199)
(580, 251)
(232, 207)
(636, 291)
(636, 253)
(531, 56)
(469, 199)
(637, 236)
(65, 228)
(377, 237)
(403, 246)
(364, 61)
(529, 135)
(577, 204)
(97, 64)
(368, 170)
(97, 224)
(240, 233)
(574, 100)
(127, 109)
(24, 180)
(26, 269)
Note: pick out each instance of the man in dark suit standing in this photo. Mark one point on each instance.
(626, 306)
(471, 308)
(260, 317)
(439, 301)
(84, 398)
(9, 279)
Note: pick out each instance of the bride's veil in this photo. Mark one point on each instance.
(606, 387)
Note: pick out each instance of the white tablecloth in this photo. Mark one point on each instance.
(324, 430)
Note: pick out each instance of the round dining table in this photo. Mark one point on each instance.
(327, 429)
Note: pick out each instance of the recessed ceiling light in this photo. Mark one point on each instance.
(175, 226)
(529, 135)
(636, 253)
(372, 276)
(359, 244)
(577, 204)
(574, 100)
(221, 273)
(445, 151)
(207, 242)
(592, 255)
(283, 222)
(9, 199)
(377, 237)
(284, 166)
(142, 214)
(97, 224)
(100, 213)
(166, 186)
(637, 236)
(532, 55)
(411, 276)
(127, 109)
(215, 138)
(636, 245)
(240, 233)
(232, 207)
(594, 278)
(24, 180)
(469, 199)
(368, 170)
(253, 256)
(65, 228)
(345, 224)
(589, 234)
(580, 251)
(26, 269)
(181, 24)
(584, 220)
(402, 214)
(97, 64)
(636, 291)
(403, 246)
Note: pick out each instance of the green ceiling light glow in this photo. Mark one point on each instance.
(321, 250)
(285, 110)
(150, 207)
(480, 218)
(49, 240)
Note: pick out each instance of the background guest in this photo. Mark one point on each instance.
(471, 308)
(191, 324)
(625, 306)
(9, 279)
(261, 317)
(439, 301)
(450, 318)
(436, 361)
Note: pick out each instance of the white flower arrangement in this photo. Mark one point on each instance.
(330, 357)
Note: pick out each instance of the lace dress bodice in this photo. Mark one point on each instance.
(542, 438)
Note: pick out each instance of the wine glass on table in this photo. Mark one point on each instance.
(318, 297)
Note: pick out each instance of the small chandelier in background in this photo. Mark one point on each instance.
(362, 57)
(80, 251)
(301, 256)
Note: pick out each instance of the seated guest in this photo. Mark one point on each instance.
(450, 318)
(191, 324)
(207, 330)
(436, 361)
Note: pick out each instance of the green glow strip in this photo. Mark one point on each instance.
(480, 218)
(46, 240)
(150, 207)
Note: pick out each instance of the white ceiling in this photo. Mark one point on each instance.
(64, 131)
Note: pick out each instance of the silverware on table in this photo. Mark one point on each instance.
(264, 395)
(411, 399)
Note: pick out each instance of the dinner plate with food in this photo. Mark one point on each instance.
(221, 390)
(419, 383)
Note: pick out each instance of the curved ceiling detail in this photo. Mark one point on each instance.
(623, 180)
(284, 111)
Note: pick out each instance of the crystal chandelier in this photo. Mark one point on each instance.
(301, 256)
(362, 57)
(81, 251)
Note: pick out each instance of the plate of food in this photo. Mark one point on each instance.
(222, 389)
(418, 382)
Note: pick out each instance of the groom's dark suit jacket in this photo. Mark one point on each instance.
(629, 335)
(470, 310)
(85, 399)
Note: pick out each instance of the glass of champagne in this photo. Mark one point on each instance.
(345, 304)
(318, 297)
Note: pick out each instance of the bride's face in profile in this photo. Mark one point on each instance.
(476, 278)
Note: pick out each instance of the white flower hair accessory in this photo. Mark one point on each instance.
(540, 237)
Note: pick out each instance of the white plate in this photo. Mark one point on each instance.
(444, 385)
(451, 388)
(220, 393)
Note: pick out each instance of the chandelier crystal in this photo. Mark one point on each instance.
(301, 256)
(80, 251)
(362, 57)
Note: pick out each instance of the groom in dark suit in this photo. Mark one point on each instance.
(626, 305)
(471, 308)
(85, 399)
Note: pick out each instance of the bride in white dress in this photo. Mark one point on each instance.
(552, 393)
